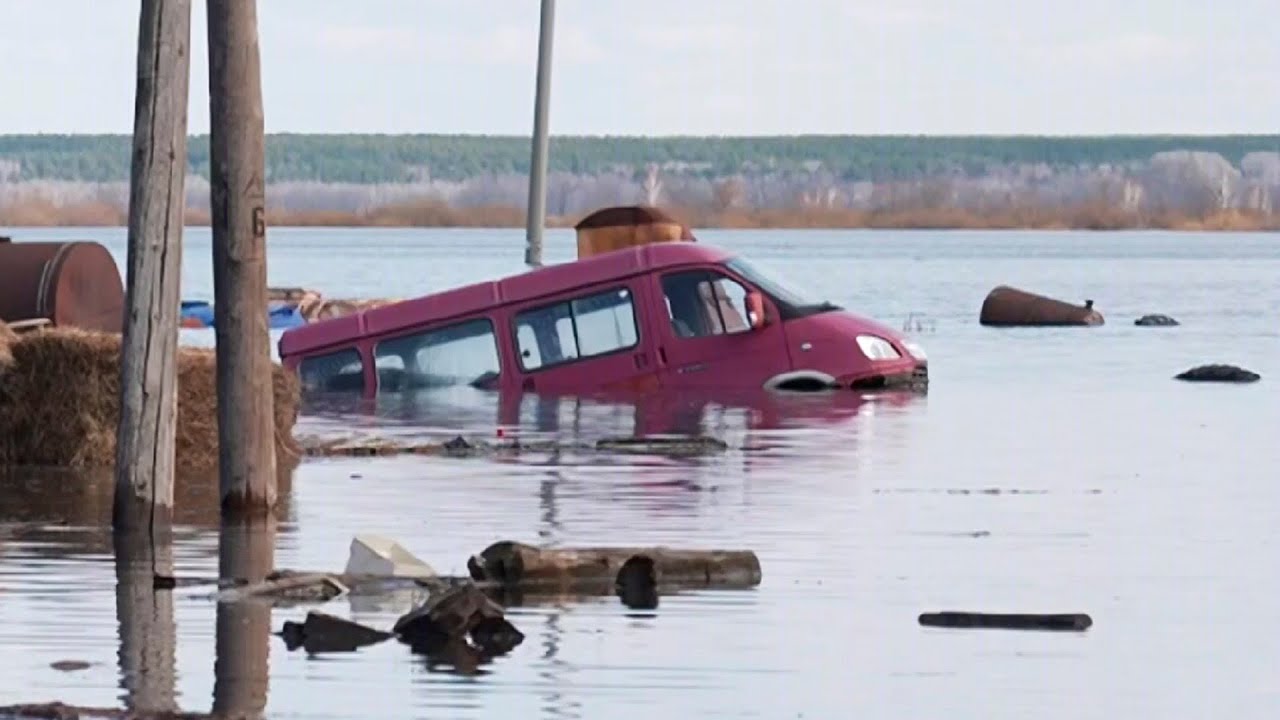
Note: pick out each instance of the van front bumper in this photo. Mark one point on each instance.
(894, 376)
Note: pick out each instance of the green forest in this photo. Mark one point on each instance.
(403, 158)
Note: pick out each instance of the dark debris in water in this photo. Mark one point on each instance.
(1076, 622)
(1218, 373)
(693, 446)
(1155, 321)
(971, 491)
(322, 633)
(62, 711)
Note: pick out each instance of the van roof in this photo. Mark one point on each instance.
(480, 296)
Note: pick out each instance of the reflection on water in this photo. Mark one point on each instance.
(431, 414)
(1052, 470)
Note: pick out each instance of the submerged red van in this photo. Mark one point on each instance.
(669, 315)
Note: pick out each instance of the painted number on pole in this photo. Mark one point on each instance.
(259, 222)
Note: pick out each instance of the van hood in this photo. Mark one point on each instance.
(844, 324)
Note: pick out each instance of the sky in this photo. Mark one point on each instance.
(684, 67)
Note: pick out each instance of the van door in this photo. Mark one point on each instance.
(591, 341)
(705, 340)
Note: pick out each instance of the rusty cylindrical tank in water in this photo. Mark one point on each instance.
(1009, 307)
(618, 227)
(71, 284)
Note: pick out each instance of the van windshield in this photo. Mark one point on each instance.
(793, 301)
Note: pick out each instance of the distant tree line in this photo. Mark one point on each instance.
(410, 159)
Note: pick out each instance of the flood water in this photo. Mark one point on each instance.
(1047, 470)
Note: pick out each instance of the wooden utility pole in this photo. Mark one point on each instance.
(537, 212)
(157, 199)
(246, 427)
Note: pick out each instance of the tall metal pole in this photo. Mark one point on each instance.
(537, 212)
(246, 422)
(145, 439)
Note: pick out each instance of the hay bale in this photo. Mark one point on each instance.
(60, 403)
(7, 339)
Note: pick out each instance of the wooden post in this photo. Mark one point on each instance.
(246, 429)
(149, 387)
(536, 215)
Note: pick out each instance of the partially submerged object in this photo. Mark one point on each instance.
(323, 633)
(378, 555)
(510, 569)
(1155, 321)
(458, 614)
(1218, 373)
(517, 564)
(71, 284)
(655, 314)
(60, 403)
(1007, 306)
(615, 228)
(1070, 622)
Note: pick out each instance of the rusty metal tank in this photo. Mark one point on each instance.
(1009, 307)
(71, 284)
(614, 228)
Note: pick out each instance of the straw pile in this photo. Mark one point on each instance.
(60, 403)
(315, 307)
(7, 339)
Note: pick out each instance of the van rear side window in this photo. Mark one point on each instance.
(341, 371)
(584, 327)
(464, 353)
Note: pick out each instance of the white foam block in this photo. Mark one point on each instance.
(377, 555)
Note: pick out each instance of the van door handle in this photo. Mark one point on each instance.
(640, 360)
(662, 355)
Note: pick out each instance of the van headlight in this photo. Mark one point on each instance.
(915, 349)
(876, 348)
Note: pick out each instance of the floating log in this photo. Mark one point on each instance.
(1218, 373)
(71, 284)
(1010, 307)
(1155, 321)
(1077, 622)
(321, 633)
(516, 564)
(60, 403)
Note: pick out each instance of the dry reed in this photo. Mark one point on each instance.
(60, 403)
(1094, 215)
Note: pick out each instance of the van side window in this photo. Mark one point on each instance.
(701, 303)
(584, 327)
(463, 353)
(340, 371)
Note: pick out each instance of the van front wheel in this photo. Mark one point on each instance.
(801, 381)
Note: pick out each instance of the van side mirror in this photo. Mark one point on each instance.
(755, 310)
